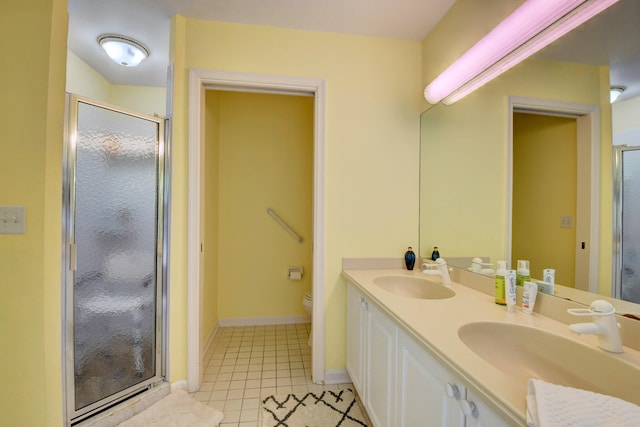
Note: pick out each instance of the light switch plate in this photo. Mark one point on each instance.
(12, 220)
(566, 221)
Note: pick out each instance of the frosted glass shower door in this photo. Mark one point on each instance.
(114, 227)
(627, 208)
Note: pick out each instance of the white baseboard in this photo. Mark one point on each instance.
(259, 321)
(179, 385)
(209, 341)
(338, 376)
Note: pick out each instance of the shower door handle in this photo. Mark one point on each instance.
(73, 257)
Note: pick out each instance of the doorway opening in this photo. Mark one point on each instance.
(587, 233)
(199, 82)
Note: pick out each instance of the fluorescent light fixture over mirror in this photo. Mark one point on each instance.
(123, 50)
(614, 93)
(531, 27)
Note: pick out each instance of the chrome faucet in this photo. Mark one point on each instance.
(441, 270)
(604, 325)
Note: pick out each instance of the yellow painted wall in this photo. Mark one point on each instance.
(83, 80)
(142, 99)
(625, 117)
(266, 160)
(32, 109)
(373, 101)
(464, 177)
(544, 189)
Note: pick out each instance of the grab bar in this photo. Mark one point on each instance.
(284, 224)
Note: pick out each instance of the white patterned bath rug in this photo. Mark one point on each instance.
(323, 409)
(177, 409)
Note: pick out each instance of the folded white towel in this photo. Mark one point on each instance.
(551, 405)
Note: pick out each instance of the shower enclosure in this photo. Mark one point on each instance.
(113, 256)
(626, 251)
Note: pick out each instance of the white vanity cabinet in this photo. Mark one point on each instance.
(478, 414)
(427, 393)
(399, 382)
(371, 350)
(356, 317)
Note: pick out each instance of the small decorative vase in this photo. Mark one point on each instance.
(409, 258)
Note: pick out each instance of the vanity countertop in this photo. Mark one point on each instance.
(435, 324)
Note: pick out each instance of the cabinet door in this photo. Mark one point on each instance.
(478, 414)
(422, 387)
(380, 367)
(355, 337)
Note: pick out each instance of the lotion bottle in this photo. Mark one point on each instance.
(529, 297)
(500, 286)
(510, 290)
(522, 273)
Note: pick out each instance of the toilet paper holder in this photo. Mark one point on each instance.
(294, 273)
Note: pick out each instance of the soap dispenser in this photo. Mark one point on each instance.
(435, 254)
(522, 273)
(501, 272)
(409, 258)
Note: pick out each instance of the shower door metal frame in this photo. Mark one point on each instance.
(72, 415)
(617, 261)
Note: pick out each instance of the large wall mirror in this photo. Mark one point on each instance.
(498, 178)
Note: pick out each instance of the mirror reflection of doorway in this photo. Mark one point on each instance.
(114, 235)
(626, 251)
(544, 201)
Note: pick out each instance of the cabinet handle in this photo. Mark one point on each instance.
(469, 408)
(452, 391)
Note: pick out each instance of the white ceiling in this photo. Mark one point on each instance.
(148, 21)
(611, 38)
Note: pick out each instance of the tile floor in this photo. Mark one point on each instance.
(247, 364)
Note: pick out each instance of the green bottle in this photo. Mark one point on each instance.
(500, 287)
(522, 272)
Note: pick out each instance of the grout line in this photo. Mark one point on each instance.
(246, 364)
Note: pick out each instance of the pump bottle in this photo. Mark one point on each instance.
(522, 272)
(501, 272)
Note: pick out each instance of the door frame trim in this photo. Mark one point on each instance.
(588, 118)
(199, 81)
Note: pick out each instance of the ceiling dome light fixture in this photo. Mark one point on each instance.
(123, 50)
(614, 93)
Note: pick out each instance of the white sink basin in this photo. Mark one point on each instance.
(524, 352)
(413, 287)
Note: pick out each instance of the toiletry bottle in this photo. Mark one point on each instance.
(510, 290)
(522, 272)
(435, 254)
(409, 258)
(529, 297)
(500, 273)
